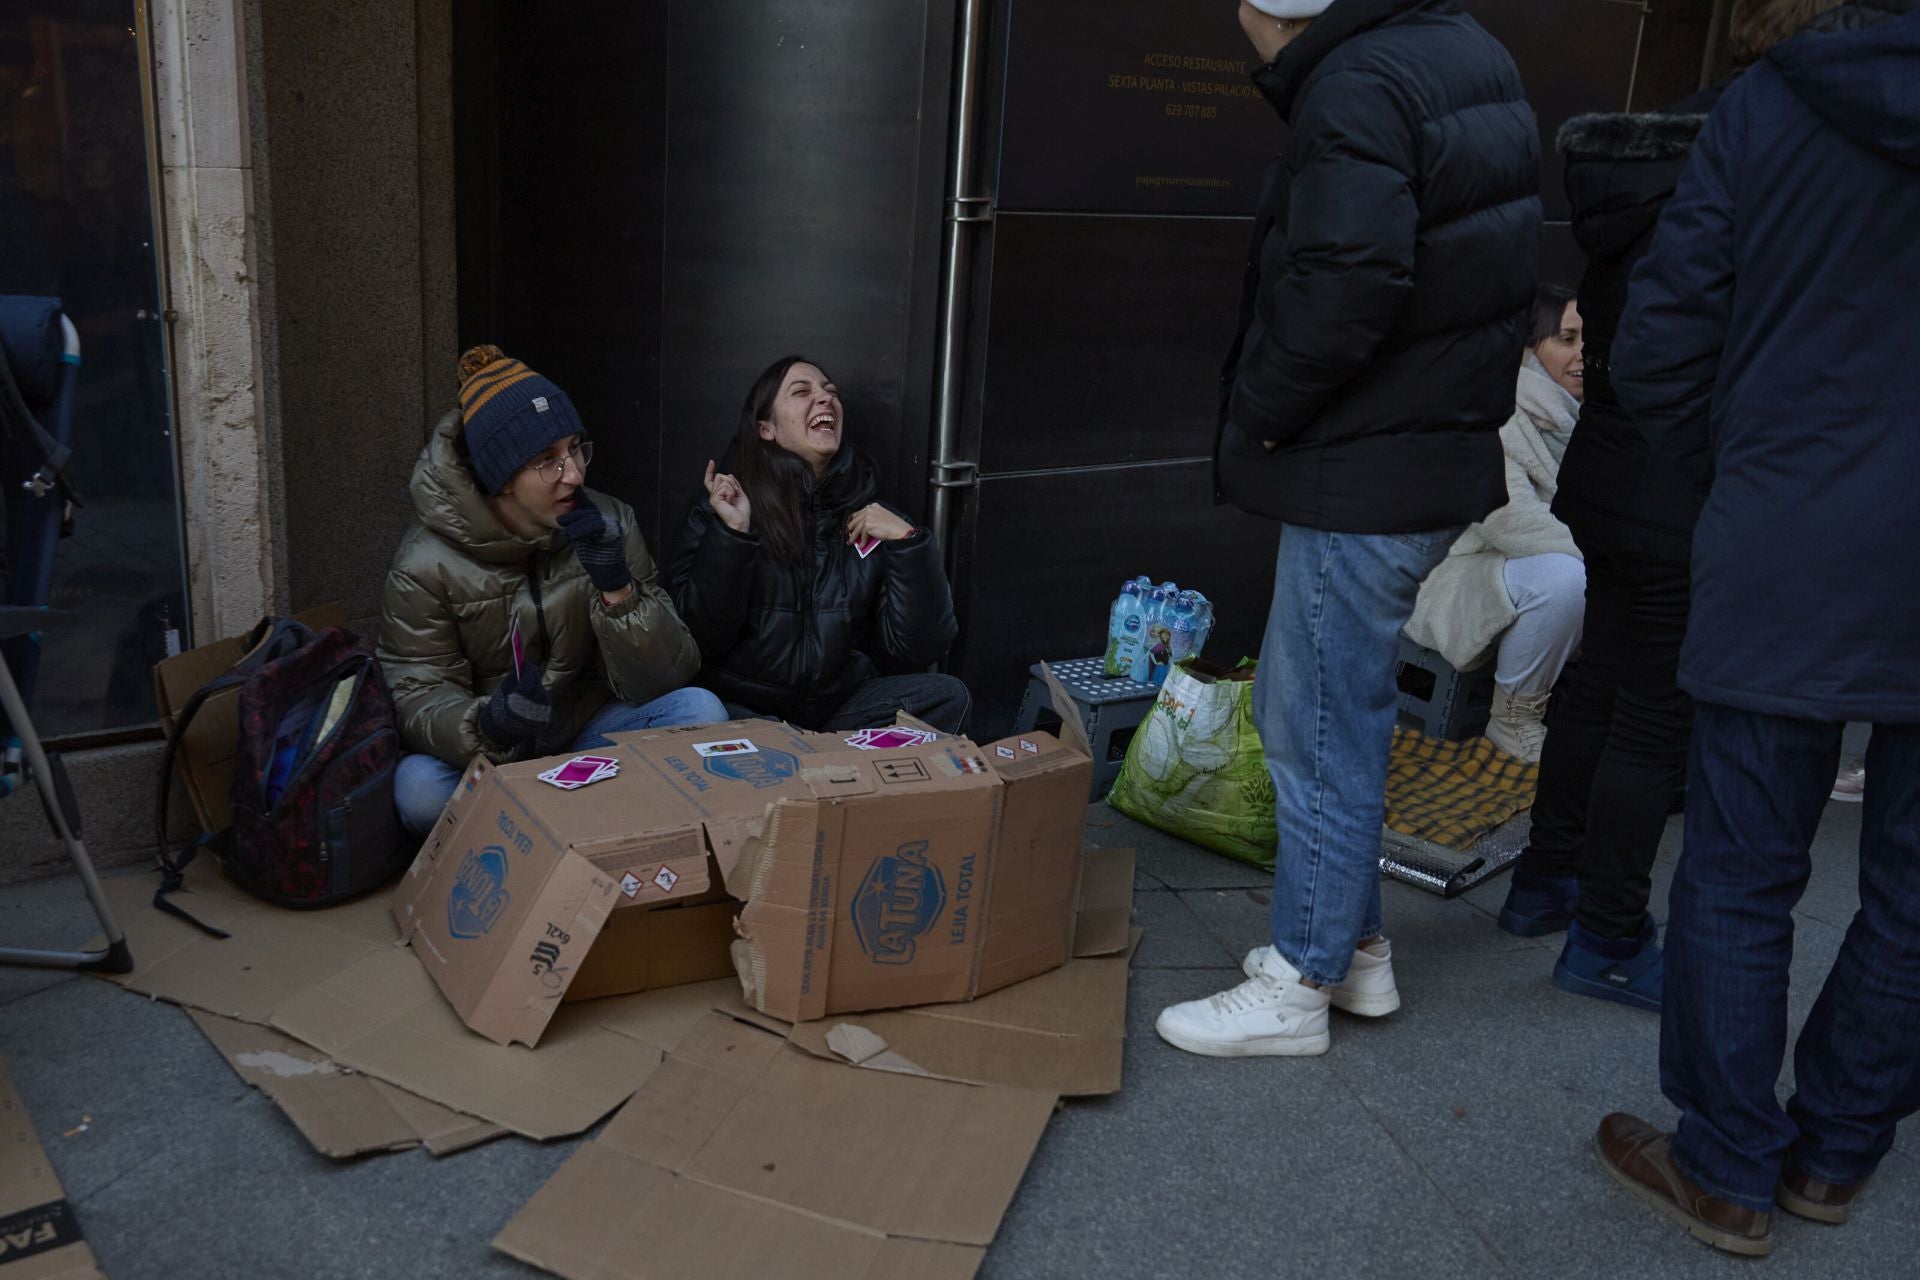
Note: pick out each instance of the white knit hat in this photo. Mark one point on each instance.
(1292, 8)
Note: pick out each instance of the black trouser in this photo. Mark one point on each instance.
(1616, 754)
(940, 701)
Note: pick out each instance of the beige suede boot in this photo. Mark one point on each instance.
(1518, 725)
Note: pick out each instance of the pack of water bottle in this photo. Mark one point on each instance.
(1152, 628)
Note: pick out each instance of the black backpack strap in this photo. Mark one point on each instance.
(174, 862)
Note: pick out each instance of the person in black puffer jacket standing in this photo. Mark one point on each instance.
(1382, 326)
(811, 601)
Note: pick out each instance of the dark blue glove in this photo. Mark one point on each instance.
(599, 544)
(519, 709)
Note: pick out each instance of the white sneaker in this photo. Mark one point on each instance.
(1272, 1013)
(1368, 989)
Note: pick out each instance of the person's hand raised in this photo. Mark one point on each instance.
(875, 521)
(729, 500)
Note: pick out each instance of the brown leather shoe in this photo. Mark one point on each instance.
(1640, 1159)
(1805, 1196)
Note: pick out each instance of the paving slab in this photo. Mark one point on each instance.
(51, 914)
(1176, 938)
(1227, 1168)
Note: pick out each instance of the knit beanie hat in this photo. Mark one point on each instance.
(509, 415)
(1292, 8)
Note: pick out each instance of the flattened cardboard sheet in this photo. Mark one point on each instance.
(743, 1158)
(338, 980)
(39, 1234)
(341, 1112)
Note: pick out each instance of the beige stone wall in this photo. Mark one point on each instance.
(306, 161)
(207, 217)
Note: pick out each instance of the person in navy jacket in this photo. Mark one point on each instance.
(1768, 355)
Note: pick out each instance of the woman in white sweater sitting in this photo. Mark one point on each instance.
(1513, 587)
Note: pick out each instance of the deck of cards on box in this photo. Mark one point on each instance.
(581, 771)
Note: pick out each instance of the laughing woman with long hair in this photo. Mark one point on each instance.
(811, 601)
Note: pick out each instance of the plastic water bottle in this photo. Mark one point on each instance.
(1202, 621)
(1123, 630)
(1182, 628)
(1150, 660)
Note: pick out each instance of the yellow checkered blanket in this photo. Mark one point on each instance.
(1453, 793)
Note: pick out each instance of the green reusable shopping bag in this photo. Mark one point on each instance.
(1194, 768)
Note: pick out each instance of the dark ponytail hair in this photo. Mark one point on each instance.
(1549, 305)
(776, 481)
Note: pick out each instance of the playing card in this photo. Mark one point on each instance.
(889, 739)
(581, 771)
(865, 546)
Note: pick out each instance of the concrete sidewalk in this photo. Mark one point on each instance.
(1448, 1140)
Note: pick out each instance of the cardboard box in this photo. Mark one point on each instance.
(867, 878)
(509, 896)
(39, 1234)
(205, 760)
(1061, 1031)
(919, 874)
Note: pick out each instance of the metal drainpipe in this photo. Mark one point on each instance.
(948, 471)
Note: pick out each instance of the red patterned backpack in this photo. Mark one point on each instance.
(313, 816)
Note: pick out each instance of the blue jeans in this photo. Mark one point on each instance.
(423, 784)
(1758, 786)
(1324, 703)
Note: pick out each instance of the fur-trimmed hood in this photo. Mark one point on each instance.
(1623, 135)
(1621, 167)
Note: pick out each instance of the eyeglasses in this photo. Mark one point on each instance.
(550, 470)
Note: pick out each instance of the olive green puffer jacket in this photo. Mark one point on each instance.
(458, 582)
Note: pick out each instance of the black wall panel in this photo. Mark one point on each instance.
(582, 181)
(1136, 107)
(1574, 56)
(1104, 338)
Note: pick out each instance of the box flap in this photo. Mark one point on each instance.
(1073, 730)
(39, 1233)
(747, 1159)
(1035, 884)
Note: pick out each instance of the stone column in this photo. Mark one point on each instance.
(207, 227)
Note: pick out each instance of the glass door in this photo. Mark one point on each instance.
(77, 223)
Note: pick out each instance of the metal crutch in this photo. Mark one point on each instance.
(56, 793)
